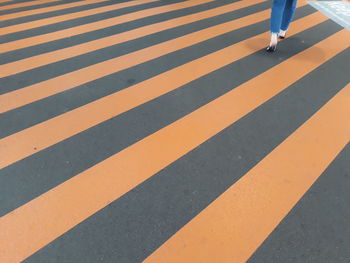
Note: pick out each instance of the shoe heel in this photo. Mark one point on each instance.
(271, 48)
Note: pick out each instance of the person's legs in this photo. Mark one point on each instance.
(288, 15)
(276, 22)
(277, 15)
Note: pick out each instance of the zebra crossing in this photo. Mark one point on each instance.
(160, 131)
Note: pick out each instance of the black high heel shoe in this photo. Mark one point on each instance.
(271, 48)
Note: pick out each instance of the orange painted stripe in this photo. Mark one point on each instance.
(47, 9)
(29, 94)
(73, 31)
(73, 79)
(65, 53)
(22, 144)
(6, 1)
(26, 4)
(58, 19)
(40, 221)
(237, 223)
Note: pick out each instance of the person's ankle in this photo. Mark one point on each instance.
(273, 41)
(282, 33)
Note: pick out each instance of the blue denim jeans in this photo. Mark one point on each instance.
(282, 14)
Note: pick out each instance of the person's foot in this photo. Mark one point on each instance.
(273, 43)
(282, 34)
(271, 48)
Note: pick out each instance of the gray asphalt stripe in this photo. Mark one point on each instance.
(131, 228)
(317, 229)
(12, 2)
(38, 173)
(55, 69)
(30, 18)
(32, 7)
(81, 21)
(31, 114)
(82, 38)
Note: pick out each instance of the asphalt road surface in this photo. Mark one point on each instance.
(161, 131)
